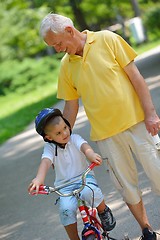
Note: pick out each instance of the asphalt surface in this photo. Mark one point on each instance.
(23, 217)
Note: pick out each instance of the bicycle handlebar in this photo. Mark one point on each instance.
(47, 190)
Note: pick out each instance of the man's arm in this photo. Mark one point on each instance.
(152, 120)
(70, 111)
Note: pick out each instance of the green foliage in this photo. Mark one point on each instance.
(20, 20)
(19, 26)
(152, 21)
(18, 108)
(22, 77)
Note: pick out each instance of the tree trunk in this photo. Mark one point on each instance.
(78, 15)
(135, 8)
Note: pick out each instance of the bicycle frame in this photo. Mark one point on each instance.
(91, 224)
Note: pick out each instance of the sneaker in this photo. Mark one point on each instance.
(148, 234)
(107, 219)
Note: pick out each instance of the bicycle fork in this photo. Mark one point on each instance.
(89, 228)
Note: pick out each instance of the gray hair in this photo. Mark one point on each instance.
(54, 22)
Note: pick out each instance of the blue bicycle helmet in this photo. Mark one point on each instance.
(44, 116)
(41, 120)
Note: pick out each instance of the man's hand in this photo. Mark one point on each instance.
(152, 124)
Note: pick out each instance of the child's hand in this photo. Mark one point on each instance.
(90, 154)
(34, 185)
(96, 158)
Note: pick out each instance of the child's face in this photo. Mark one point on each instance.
(59, 132)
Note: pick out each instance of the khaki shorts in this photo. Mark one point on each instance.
(119, 151)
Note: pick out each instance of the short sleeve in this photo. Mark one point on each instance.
(66, 89)
(124, 53)
(77, 140)
(49, 151)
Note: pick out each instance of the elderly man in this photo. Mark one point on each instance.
(99, 68)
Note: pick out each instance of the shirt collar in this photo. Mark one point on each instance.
(90, 39)
(66, 146)
(90, 36)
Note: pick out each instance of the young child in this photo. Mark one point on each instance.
(68, 152)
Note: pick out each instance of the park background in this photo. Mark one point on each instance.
(28, 82)
(29, 69)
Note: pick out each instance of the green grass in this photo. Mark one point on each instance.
(146, 46)
(18, 110)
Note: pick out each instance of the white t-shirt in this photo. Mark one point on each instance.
(70, 162)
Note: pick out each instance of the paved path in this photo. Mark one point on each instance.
(23, 217)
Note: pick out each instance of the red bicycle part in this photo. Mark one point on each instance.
(42, 190)
(84, 213)
(92, 165)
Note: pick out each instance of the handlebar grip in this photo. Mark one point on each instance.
(93, 165)
(42, 190)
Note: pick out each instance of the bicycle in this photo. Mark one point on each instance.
(92, 229)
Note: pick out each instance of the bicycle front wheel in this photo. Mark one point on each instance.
(91, 237)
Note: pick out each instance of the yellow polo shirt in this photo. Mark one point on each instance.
(98, 78)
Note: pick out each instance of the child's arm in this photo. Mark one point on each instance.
(41, 174)
(90, 154)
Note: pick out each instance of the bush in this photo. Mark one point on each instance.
(26, 75)
(152, 21)
(20, 23)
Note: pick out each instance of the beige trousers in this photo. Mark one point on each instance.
(121, 151)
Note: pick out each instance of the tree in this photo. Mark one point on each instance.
(135, 8)
(20, 29)
(78, 13)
